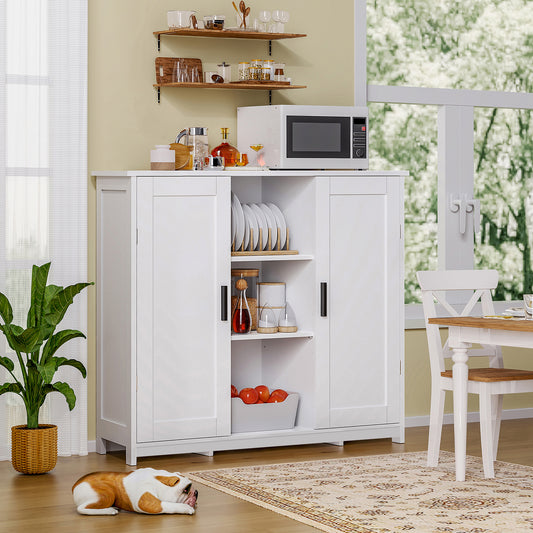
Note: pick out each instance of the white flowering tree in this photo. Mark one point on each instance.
(468, 44)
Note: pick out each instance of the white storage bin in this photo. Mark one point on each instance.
(263, 416)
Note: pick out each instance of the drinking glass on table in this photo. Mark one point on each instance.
(528, 306)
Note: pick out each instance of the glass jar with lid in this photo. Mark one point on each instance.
(244, 71)
(251, 275)
(265, 73)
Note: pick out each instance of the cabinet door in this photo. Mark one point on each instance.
(360, 341)
(183, 343)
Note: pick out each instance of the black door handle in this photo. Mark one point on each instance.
(224, 303)
(323, 299)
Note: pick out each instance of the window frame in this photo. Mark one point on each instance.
(455, 152)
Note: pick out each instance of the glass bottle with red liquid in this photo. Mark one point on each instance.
(229, 153)
(241, 320)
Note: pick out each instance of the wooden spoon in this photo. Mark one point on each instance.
(246, 13)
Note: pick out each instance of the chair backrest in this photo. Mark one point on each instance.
(435, 285)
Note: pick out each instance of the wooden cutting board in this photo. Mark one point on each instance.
(182, 155)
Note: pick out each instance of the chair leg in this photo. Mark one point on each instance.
(497, 403)
(435, 425)
(487, 435)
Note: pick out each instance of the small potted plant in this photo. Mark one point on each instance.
(34, 446)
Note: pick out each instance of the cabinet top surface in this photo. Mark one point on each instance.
(265, 173)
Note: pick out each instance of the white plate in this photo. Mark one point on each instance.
(246, 230)
(249, 215)
(282, 225)
(515, 311)
(272, 224)
(239, 215)
(263, 224)
(233, 217)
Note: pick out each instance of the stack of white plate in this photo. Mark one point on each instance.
(246, 217)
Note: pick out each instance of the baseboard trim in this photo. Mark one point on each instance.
(410, 422)
(508, 414)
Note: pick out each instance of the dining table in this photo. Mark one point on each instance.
(462, 332)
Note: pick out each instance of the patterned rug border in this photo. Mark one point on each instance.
(317, 519)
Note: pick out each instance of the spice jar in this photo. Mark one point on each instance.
(279, 72)
(265, 73)
(244, 71)
(270, 64)
(255, 73)
(224, 71)
(251, 275)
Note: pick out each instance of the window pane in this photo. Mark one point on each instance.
(27, 37)
(27, 126)
(404, 137)
(473, 44)
(504, 184)
(26, 223)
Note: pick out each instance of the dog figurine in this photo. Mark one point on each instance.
(144, 490)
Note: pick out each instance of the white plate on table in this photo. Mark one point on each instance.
(515, 311)
(249, 215)
(282, 225)
(263, 224)
(272, 224)
(239, 222)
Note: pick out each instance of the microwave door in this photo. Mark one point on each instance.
(318, 137)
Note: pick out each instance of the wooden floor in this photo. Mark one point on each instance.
(44, 503)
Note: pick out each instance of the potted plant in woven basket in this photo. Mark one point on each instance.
(33, 366)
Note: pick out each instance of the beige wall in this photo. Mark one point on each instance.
(125, 120)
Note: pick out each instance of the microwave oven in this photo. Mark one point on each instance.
(305, 136)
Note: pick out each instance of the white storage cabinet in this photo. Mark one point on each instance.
(165, 354)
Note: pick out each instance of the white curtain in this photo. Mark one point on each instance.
(43, 185)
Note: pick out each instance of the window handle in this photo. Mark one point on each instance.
(463, 205)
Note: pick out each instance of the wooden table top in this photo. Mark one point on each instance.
(510, 324)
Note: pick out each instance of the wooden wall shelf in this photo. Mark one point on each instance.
(240, 85)
(230, 34)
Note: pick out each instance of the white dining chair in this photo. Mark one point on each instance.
(489, 383)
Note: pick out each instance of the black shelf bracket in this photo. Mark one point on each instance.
(269, 48)
(269, 97)
(159, 95)
(159, 43)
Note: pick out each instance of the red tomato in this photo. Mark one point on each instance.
(234, 392)
(260, 401)
(249, 395)
(277, 396)
(264, 393)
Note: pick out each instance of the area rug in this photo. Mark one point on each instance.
(386, 493)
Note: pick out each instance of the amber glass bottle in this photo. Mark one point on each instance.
(224, 149)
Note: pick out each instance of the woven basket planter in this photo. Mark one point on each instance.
(34, 451)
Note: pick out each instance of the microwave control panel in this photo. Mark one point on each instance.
(359, 135)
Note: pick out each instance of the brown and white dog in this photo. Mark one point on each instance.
(144, 490)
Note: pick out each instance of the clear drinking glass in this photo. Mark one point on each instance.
(528, 306)
(276, 17)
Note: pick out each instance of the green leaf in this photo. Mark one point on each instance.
(49, 293)
(61, 302)
(63, 361)
(47, 371)
(39, 276)
(57, 340)
(10, 387)
(6, 311)
(28, 341)
(7, 363)
(65, 390)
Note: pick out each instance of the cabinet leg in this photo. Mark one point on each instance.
(399, 438)
(101, 446)
(336, 443)
(207, 454)
(131, 456)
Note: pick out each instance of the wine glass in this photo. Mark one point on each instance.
(256, 148)
(264, 17)
(284, 18)
(276, 17)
